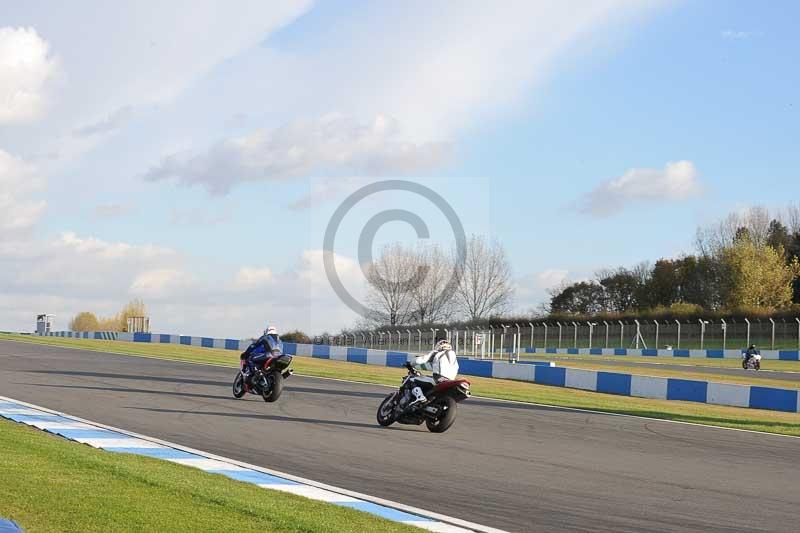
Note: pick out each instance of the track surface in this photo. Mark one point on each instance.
(511, 466)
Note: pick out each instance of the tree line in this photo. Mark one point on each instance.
(746, 263)
(88, 321)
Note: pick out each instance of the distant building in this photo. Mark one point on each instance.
(44, 324)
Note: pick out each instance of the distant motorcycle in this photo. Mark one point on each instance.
(438, 412)
(754, 363)
(266, 380)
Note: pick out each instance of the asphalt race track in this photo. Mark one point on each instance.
(511, 466)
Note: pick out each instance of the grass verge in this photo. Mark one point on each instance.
(700, 413)
(50, 484)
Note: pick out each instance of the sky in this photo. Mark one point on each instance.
(193, 153)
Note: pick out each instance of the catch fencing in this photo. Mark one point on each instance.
(700, 334)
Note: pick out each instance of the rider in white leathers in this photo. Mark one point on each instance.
(441, 361)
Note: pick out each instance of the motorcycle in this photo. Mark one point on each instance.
(754, 363)
(266, 380)
(438, 412)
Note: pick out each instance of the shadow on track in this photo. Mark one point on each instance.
(136, 391)
(133, 377)
(279, 418)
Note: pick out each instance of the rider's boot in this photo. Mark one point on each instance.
(418, 397)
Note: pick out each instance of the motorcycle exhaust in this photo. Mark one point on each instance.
(288, 373)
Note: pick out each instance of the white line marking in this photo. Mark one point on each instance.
(309, 492)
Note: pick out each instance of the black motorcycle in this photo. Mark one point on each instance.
(266, 380)
(438, 412)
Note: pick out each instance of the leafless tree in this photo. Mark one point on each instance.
(484, 287)
(391, 278)
(712, 239)
(791, 218)
(431, 302)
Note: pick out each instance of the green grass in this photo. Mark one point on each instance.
(50, 484)
(718, 415)
(767, 364)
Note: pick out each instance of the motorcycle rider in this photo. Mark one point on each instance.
(751, 351)
(258, 351)
(444, 364)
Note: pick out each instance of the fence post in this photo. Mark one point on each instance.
(724, 335)
(531, 325)
(419, 341)
(621, 334)
(433, 340)
(656, 323)
(575, 334)
(519, 339)
(772, 346)
(545, 334)
(559, 334)
(702, 331)
(638, 333)
(503, 340)
(748, 331)
(606, 323)
(798, 333)
(678, 322)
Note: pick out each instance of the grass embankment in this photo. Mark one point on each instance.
(50, 484)
(717, 415)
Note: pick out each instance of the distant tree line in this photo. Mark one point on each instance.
(88, 321)
(746, 263)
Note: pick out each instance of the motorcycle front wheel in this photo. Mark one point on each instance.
(386, 411)
(447, 415)
(238, 386)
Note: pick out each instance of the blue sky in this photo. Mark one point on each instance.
(192, 157)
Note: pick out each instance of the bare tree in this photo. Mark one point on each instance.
(713, 239)
(484, 286)
(431, 302)
(791, 218)
(391, 278)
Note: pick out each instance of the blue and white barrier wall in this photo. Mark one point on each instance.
(778, 355)
(544, 373)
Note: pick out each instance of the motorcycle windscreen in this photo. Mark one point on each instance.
(274, 343)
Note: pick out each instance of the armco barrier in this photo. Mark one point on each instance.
(544, 374)
(782, 355)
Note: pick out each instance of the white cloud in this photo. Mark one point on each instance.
(209, 215)
(734, 34)
(114, 209)
(159, 283)
(25, 68)
(108, 124)
(677, 181)
(253, 278)
(331, 144)
(17, 180)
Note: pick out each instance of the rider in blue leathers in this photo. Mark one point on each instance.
(751, 351)
(259, 350)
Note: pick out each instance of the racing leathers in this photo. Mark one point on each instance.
(258, 352)
(443, 364)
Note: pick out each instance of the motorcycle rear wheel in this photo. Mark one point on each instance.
(442, 423)
(238, 386)
(273, 392)
(386, 411)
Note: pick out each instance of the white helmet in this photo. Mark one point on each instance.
(272, 330)
(443, 345)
